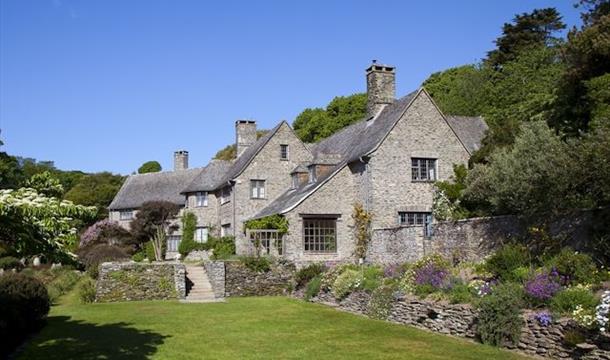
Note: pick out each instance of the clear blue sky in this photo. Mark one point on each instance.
(109, 84)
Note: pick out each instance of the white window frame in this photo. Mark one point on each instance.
(287, 148)
(257, 189)
(201, 234)
(201, 199)
(412, 218)
(125, 215)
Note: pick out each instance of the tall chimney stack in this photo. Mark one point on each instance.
(380, 87)
(181, 160)
(245, 135)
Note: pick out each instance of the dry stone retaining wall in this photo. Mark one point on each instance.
(140, 281)
(216, 275)
(242, 281)
(461, 320)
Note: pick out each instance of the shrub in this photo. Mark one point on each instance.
(542, 287)
(506, 260)
(9, 262)
(348, 281)
(24, 304)
(149, 249)
(573, 337)
(189, 225)
(500, 319)
(92, 256)
(426, 275)
(381, 301)
(566, 301)
(460, 294)
(394, 271)
(313, 287)
(257, 264)
(222, 248)
(372, 277)
(521, 274)
(105, 232)
(577, 268)
(305, 274)
(139, 256)
(62, 284)
(86, 291)
(329, 277)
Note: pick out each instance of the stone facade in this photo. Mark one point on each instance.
(216, 275)
(241, 281)
(380, 86)
(461, 320)
(268, 166)
(139, 281)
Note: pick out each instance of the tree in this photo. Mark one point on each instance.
(528, 30)
(11, 174)
(34, 224)
(313, 125)
(96, 190)
(459, 90)
(46, 184)
(152, 222)
(149, 167)
(189, 225)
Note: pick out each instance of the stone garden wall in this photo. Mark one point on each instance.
(241, 281)
(216, 276)
(460, 320)
(468, 239)
(140, 281)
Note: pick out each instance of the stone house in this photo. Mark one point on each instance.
(387, 162)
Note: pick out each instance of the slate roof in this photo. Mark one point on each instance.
(470, 129)
(209, 178)
(246, 157)
(161, 186)
(361, 139)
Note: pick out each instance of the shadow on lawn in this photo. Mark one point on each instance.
(74, 339)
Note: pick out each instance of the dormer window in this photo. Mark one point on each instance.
(312, 173)
(284, 152)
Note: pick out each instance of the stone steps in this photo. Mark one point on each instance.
(201, 290)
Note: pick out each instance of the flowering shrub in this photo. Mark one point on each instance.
(346, 283)
(584, 317)
(106, 230)
(430, 273)
(543, 286)
(544, 318)
(481, 287)
(380, 305)
(394, 271)
(566, 301)
(602, 312)
(577, 268)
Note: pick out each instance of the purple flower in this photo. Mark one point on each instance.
(543, 318)
(543, 286)
(432, 274)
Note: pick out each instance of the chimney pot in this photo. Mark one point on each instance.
(181, 160)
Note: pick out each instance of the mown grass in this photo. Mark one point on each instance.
(241, 328)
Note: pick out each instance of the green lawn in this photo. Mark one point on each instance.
(242, 328)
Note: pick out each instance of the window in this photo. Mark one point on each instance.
(201, 199)
(312, 173)
(173, 241)
(284, 152)
(413, 218)
(320, 235)
(225, 195)
(225, 230)
(295, 181)
(423, 169)
(257, 189)
(126, 214)
(201, 234)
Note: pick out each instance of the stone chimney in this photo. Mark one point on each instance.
(380, 87)
(181, 160)
(245, 135)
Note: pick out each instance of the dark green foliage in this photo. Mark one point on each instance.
(459, 90)
(189, 225)
(150, 251)
(96, 190)
(313, 287)
(373, 275)
(93, 256)
(139, 256)
(222, 247)
(573, 337)
(10, 262)
(277, 222)
(504, 261)
(150, 216)
(11, 174)
(229, 152)
(566, 301)
(305, 274)
(86, 291)
(381, 301)
(257, 264)
(578, 268)
(313, 125)
(24, 305)
(500, 320)
(149, 167)
(527, 30)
